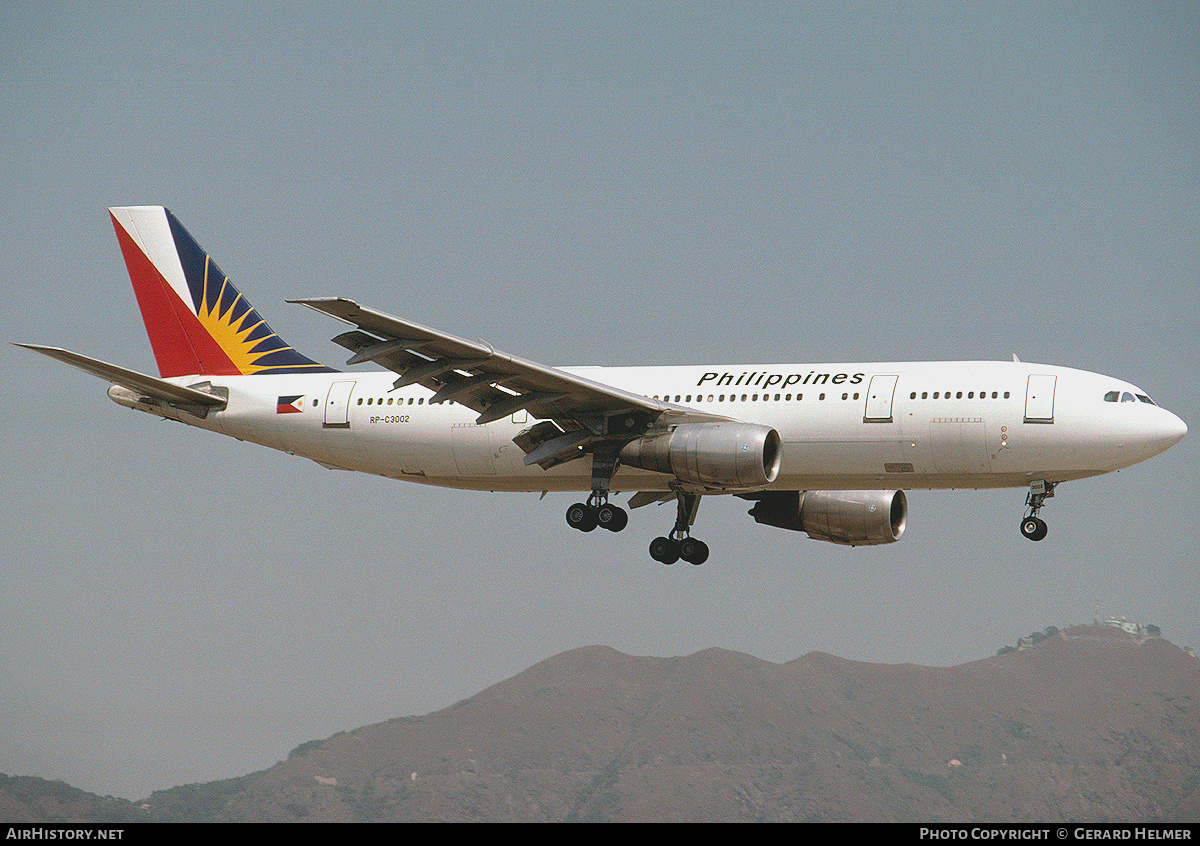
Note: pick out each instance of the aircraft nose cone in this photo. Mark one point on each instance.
(1175, 429)
(1166, 431)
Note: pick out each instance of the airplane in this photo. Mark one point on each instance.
(821, 448)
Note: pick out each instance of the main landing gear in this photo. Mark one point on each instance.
(1032, 526)
(598, 511)
(680, 544)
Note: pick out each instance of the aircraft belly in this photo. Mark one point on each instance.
(248, 418)
(301, 431)
(958, 445)
(473, 449)
(818, 457)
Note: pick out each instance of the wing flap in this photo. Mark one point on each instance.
(475, 374)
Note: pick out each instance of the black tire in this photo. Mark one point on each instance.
(1034, 528)
(1043, 529)
(612, 517)
(581, 517)
(664, 550)
(693, 551)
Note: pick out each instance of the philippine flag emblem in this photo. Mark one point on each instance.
(289, 405)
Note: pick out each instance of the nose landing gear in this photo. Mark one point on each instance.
(1032, 526)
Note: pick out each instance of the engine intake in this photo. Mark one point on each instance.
(852, 518)
(723, 455)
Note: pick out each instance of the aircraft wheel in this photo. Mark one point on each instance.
(693, 551)
(664, 550)
(581, 517)
(612, 517)
(1034, 528)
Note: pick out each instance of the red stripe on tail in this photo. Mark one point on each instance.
(182, 346)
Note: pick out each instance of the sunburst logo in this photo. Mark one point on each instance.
(238, 339)
(238, 329)
(232, 323)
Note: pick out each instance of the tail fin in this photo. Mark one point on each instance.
(198, 322)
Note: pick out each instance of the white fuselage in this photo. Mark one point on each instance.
(843, 426)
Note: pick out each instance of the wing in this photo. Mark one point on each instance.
(194, 401)
(576, 412)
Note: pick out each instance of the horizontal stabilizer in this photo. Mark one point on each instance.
(139, 383)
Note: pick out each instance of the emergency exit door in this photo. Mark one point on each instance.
(879, 399)
(1039, 398)
(337, 405)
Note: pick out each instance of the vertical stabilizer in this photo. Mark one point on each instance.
(198, 322)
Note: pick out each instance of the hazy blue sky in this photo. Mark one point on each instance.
(619, 184)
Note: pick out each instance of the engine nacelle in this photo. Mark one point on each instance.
(853, 518)
(722, 455)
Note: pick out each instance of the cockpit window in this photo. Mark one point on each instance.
(1126, 396)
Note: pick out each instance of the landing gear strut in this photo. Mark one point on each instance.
(680, 544)
(598, 511)
(1032, 526)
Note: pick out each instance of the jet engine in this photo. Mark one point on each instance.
(853, 518)
(719, 454)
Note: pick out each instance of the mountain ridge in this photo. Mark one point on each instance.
(1085, 725)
